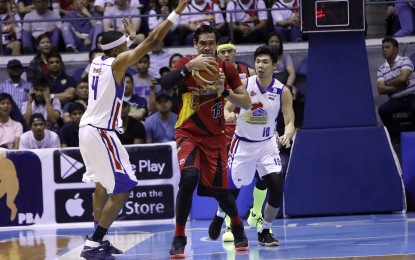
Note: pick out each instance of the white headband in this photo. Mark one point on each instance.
(114, 44)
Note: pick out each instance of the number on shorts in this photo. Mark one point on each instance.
(265, 132)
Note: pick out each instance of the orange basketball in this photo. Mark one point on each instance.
(203, 76)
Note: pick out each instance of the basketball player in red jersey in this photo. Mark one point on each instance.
(200, 137)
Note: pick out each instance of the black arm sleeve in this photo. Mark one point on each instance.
(174, 77)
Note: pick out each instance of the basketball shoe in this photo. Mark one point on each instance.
(177, 247)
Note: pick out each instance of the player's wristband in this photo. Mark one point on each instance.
(183, 71)
(129, 41)
(173, 16)
(225, 93)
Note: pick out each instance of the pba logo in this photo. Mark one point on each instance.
(68, 166)
(21, 199)
(73, 205)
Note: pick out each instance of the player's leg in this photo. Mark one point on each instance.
(189, 154)
(275, 184)
(240, 171)
(268, 166)
(98, 202)
(106, 174)
(259, 196)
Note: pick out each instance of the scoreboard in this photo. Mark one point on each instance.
(332, 15)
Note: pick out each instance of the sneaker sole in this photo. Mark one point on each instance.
(269, 244)
(177, 256)
(117, 254)
(242, 248)
(228, 240)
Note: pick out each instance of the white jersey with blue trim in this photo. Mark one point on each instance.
(259, 122)
(105, 96)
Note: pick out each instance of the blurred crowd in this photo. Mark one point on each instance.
(75, 25)
(43, 99)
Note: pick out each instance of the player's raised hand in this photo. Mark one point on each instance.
(181, 6)
(128, 26)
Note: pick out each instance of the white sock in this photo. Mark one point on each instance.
(265, 225)
(220, 213)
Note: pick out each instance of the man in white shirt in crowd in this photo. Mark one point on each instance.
(38, 136)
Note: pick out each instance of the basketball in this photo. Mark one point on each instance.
(203, 76)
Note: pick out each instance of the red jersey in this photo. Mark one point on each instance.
(201, 109)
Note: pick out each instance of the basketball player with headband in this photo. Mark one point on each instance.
(106, 160)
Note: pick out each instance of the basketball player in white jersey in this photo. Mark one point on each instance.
(106, 160)
(255, 144)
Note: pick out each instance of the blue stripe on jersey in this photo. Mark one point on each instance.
(269, 88)
(249, 140)
(116, 109)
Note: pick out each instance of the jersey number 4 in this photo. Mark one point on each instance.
(94, 86)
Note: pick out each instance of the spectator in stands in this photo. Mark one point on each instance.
(32, 30)
(61, 85)
(65, 6)
(122, 8)
(92, 55)
(40, 101)
(98, 41)
(392, 20)
(247, 26)
(189, 23)
(137, 104)
(159, 58)
(142, 78)
(395, 78)
(24, 7)
(81, 34)
(101, 5)
(155, 87)
(284, 71)
(81, 96)
(286, 22)
(17, 87)
(134, 131)
(174, 58)
(406, 15)
(10, 29)
(160, 126)
(10, 130)
(38, 137)
(159, 13)
(38, 66)
(68, 134)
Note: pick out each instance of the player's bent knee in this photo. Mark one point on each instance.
(275, 187)
(189, 179)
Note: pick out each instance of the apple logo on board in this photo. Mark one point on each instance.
(74, 206)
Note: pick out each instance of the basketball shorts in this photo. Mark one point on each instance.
(106, 160)
(246, 157)
(208, 154)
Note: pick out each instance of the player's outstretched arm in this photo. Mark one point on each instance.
(240, 97)
(131, 57)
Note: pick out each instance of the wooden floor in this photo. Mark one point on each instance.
(390, 237)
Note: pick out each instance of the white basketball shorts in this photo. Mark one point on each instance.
(246, 157)
(106, 160)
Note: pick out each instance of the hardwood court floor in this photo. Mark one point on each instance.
(385, 237)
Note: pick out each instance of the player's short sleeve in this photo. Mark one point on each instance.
(232, 76)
